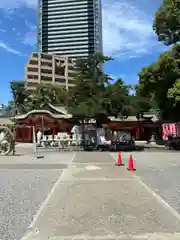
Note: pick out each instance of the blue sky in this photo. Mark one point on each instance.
(127, 37)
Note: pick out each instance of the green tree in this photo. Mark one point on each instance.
(19, 95)
(46, 93)
(156, 80)
(87, 99)
(118, 99)
(174, 93)
(9, 109)
(94, 95)
(167, 22)
(138, 104)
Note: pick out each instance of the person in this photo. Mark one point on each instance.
(39, 136)
(2, 136)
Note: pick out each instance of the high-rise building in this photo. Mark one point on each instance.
(70, 27)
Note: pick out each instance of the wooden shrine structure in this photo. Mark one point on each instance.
(53, 119)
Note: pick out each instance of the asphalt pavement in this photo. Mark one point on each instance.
(90, 198)
(94, 199)
(21, 194)
(25, 183)
(161, 172)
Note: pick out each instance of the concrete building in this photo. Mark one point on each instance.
(71, 28)
(47, 68)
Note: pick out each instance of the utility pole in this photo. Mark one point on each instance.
(14, 128)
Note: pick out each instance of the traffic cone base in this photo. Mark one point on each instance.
(122, 164)
(119, 160)
(131, 169)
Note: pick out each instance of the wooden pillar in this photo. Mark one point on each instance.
(17, 133)
(140, 131)
(22, 133)
(29, 133)
(134, 131)
(54, 130)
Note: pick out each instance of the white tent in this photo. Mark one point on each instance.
(89, 130)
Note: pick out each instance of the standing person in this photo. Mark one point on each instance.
(39, 137)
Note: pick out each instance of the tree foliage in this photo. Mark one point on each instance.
(167, 22)
(174, 93)
(93, 96)
(118, 104)
(46, 93)
(157, 83)
(85, 100)
(19, 95)
(7, 110)
(138, 104)
(25, 101)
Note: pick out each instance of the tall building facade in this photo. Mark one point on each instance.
(71, 28)
(49, 69)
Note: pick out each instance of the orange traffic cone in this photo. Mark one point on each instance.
(119, 160)
(131, 164)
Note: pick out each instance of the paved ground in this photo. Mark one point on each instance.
(25, 183)
(93, 199)
(45, 158)
(161, 172)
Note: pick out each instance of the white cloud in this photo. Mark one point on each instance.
(127, 31)
(10, 49)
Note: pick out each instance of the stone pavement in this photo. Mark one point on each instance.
(94, 199)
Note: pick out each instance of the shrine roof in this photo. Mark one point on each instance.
(57, 116)
(59, 109)
(56, 109)
(69, 116)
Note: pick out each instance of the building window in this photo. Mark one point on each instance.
(60, 80)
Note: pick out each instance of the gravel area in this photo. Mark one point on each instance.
(21, 194)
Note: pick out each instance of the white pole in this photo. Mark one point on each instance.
(34, 143)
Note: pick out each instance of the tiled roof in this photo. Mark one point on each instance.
(59, 109)
(68, 116)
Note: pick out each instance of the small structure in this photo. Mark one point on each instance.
(141, 129)
(50, 120)
(90, 133)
